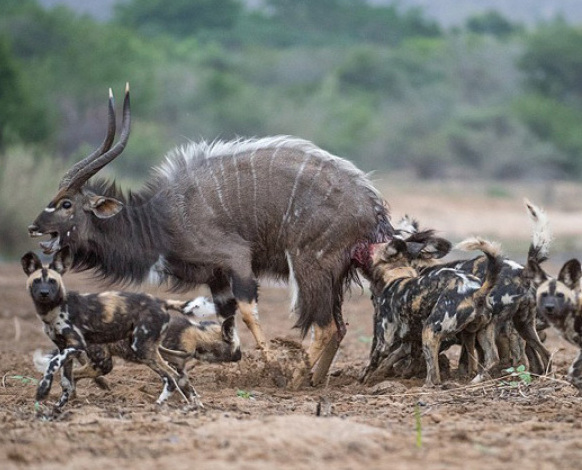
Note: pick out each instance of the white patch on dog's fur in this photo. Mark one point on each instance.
(41, 360)
(513, 264)
(507, 299)
(200, 307)
(468, 284)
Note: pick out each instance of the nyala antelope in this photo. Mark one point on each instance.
(73, 321)
(560, 303)
(224, 214)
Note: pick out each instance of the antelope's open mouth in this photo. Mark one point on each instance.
(51, 245)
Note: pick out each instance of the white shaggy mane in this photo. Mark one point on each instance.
(192, 154)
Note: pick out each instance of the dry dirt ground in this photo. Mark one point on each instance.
(253, 420)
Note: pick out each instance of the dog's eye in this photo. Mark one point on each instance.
(544, 295)
(560, 295)
(66, 204)
(52, 281)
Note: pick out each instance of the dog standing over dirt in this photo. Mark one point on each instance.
(73, 321)
(430, 307)
(512, 300)
(560, 302)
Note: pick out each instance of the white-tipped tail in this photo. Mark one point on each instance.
(479, 244)
(41, 360)
(199, 307)
(542, 234)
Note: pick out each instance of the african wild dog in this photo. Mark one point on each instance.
(73, 321)
(512, 299)
(417, 312)
(185, 339)
(560, 302)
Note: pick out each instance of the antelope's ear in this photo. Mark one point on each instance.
(62, 260)
(570, 274)
(30, 263)
(103, 207)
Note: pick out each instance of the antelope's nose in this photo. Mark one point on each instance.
(32, 228)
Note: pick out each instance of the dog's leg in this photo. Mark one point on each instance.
(469, 352)
(575, 372)
(54, 365)
(431, 342)
(527, 330)
(67, 384)
(99, 363)
(486, 338)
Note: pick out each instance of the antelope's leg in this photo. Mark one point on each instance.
(250, 315)
(327, 351)
(245, 292)
(338, 331)
(322, 336)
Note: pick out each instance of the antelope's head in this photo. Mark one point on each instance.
(68, 213)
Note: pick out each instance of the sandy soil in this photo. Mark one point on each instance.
(252, 419)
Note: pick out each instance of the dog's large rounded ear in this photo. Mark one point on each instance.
(397, 246)
(534, 272)
(570, 274)
(62, 260)
(30, 263)
(415, 248)
(435, 248)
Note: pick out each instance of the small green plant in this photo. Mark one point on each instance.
(24, 380)
(418, 425)
(244, 394)
(365, 339)
(519, 375)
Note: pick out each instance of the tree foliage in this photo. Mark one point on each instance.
(180, 18)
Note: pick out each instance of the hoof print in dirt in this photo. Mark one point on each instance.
(287, 367)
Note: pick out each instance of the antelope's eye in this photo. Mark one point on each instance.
(66, 204)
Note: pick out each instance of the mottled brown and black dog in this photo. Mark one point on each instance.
(184, 340)
(511, 302)
(73, 321)
(560, 302)
(425, 309)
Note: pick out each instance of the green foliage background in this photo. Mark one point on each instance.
(385, 87)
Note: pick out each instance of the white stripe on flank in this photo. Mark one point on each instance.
(204, 200)
(285, 219)
(220, 195)
(292, 283)
(252, 161)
